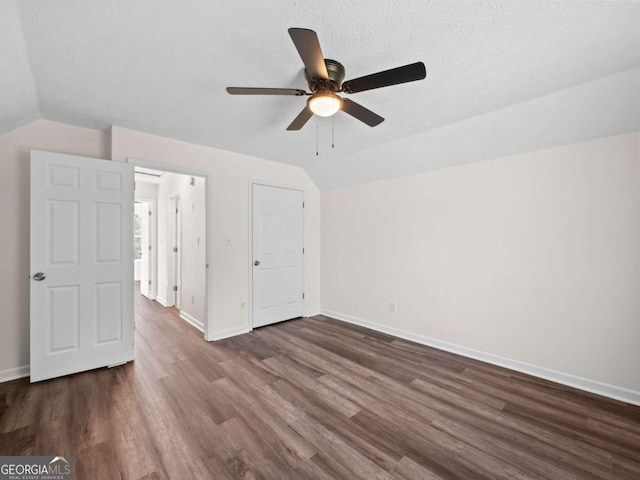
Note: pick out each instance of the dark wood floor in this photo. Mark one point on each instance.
(313, 398)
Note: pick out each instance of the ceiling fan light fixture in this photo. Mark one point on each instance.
(325, 77)
(324, 104)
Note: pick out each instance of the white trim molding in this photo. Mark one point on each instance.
(192, 320)
(581, 383)
(209, 241)
(14, 373)
(230, 333)
(162, 301)
(312, 314)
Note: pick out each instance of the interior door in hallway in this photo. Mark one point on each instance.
(145, 240)
(278, 255)
(177, 254)
(81, 289)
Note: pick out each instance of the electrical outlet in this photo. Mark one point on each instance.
(393, 307)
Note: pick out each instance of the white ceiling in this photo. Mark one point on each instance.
(161, 66)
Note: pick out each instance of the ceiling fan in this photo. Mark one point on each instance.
(325, 78)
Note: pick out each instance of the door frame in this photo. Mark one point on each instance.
(253, 182)
(153, 240)
(209, 244)
(175, 239)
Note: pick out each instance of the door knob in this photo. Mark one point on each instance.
(256, 263)
(38, 277)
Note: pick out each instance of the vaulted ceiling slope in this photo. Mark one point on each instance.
(18, 97)
(161, 66)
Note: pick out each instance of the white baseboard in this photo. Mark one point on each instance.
(230, 333)
(312, 314)
(162, 301)
(14, 373)
(593, 386)
(192, 320)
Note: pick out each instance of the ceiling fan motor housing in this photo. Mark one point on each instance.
(336, 75)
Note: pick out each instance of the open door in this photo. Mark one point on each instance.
(81, 291)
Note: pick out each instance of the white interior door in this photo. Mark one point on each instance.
(278, 260)
(177, 255)
(81, 291)
(145, 264)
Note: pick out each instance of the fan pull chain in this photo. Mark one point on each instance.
(333, 132)
(317, 128)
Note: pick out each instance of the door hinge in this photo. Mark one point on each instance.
(176, 210)
(175, 288)
(175, 249)
(149, 247)
(149, 282)
(302, 204)
(149, 212)
(303, 296)
(302, 249)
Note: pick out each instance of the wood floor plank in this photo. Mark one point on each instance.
(357, 437)
(547, 443)
(258, 414)
(410, 470)
(330, 399)
(314, 398)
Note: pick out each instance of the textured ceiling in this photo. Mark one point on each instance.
(18, 99)
(161, 66)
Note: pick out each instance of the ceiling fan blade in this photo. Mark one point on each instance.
(407, 73)
(302, 118)
(265, 91)
(363, 114)
(306, 41)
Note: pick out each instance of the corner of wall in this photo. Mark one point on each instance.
(15, 373)
(108, 142)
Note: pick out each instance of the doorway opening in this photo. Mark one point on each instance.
(170, 244)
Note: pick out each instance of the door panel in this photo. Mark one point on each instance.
(108, 221)
(278, 277)
(63, 232)
(64, 320)
(108, 311)
(290, 289)
(82, 241)
(106, 180)
(268, 282)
